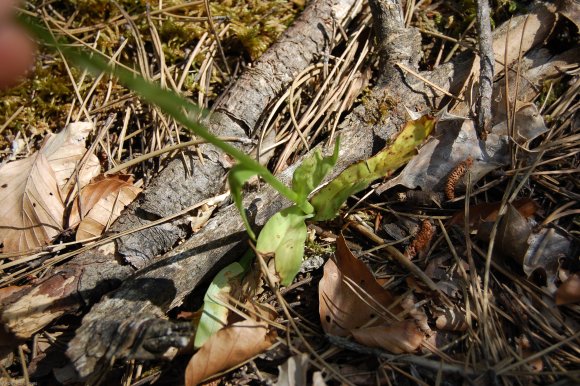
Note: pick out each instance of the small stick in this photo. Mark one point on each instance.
(409, 358)
(486, 61)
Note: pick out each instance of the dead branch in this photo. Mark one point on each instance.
(486, 60)
(183, 182)
(202, 255)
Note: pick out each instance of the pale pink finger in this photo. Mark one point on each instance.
(16, 54)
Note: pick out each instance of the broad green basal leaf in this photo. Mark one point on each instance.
(312, 171)
(215, 312)
(359, 176)
(237, 177)
(284, 235)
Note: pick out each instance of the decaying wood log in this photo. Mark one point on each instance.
(88, 276)
(222, 239)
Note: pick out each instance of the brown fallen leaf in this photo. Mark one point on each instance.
(512, 236)
(539, 251)
(487, 212)
(341, 308)
(65, 150)
(32, 208)
(548, 249)
(569, 291)
(571, 10)
(401, 337)
(229, 347)
(101, 202)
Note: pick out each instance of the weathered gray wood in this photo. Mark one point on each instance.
(486, 64)
(84, 279)
(223, 239)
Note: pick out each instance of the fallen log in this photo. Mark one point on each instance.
(163, 285)
(183, 182)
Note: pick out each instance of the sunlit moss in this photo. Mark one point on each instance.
(256, 34)
(44, 101)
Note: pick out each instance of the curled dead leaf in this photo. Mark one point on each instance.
(101, 202)
(32, 209)
(571, 10)
(539, 251)
(512, 234)
(65, 150)
(401, 337)
(349, 295)
(547, 249)
(488, 212)
(229, 347)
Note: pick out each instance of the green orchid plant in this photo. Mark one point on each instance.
(284, 234)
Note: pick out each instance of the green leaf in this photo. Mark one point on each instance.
(359, 176)
(312, 171)
(215, 312)
(284, 235)
(237, 177)
(173, 104)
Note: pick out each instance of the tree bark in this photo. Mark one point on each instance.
(85, 278)
(223, 239)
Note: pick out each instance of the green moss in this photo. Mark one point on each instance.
(44, 100)
(378, 111)
(256, 34)
(551, 91)
(46, 97)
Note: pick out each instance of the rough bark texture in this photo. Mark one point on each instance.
(236, 114)
(87, 277)
(223, 238)
(486, 64)
(164, 283)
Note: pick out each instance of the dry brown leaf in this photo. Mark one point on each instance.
(202, 217)
(487, 212)
(548, 249)
(32, 208)
(342, 309)
(528, 122)
(523, 35)
(101, 202)
(569, 291)
(229, 347)
(401, 337)
(65, 149)
(512, 234)
(536, 250)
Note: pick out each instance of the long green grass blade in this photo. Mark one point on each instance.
(176, 106)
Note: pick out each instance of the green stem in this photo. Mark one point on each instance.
(170, 102)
